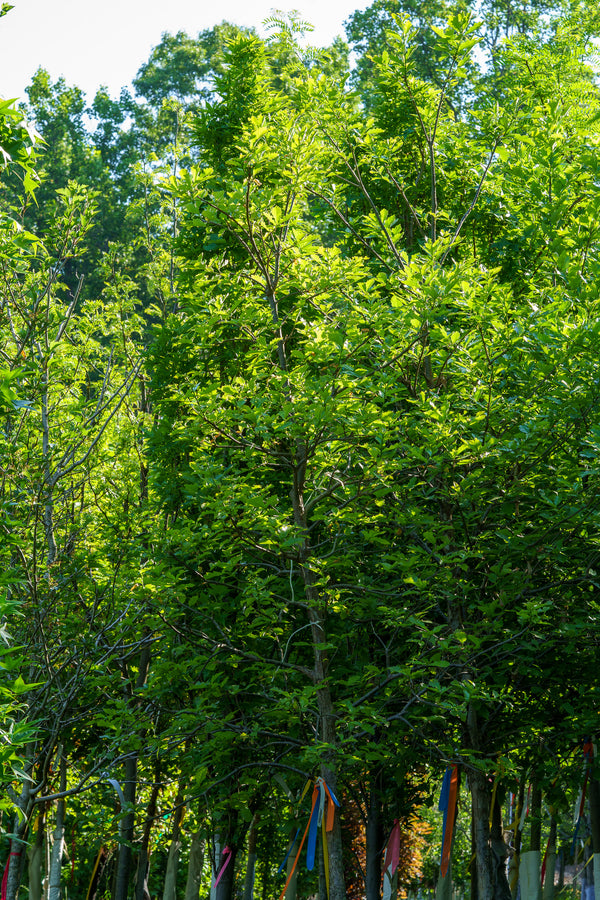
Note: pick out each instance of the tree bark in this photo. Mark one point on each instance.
(126, 830)
(36, 859)
(292, 888)
(322, 875)
(215, 866)
(535, 839)
(141, 890)
(480, 805)
(195, 866)
(529, 867)
(594, 800)
(169, 892)
(548, 889)
(514, 863)
(443, 890)
(499, 854)
(480, 795)
(473, 862)
(58, 842)
(226, 883)
(316, 612)
(374, 842)
(251, 860)
(16, 851)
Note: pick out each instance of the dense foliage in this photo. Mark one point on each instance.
(300, 433)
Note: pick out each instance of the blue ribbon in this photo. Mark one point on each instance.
(287, 855)
(443, 804)
(333, 797)
(312, 837)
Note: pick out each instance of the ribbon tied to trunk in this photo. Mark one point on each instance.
(323, 804)
(225, 860)
(447, 805)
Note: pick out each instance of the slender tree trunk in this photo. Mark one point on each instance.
(16, 848)
(36, 860)
(104, 858)
(226, 883)
(480, 795)
(535, 840)
(58, 838)
(480, 799)
(374, 842)
(594, 801)
(215, 866)
(530, 868)
(169, 892)
(499, 854)
(473, 862)
(195, 867)
(337, 886)
(443, 889)
(548, 889)
(126, 830)
(514, 865)
(292, 888)
(530, 862)
(141, 890)
(251, 860)
(48, 852)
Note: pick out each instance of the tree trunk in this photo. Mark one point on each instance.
(226, 883)
(16, 848)
(530, 862)
(473, 862)
(195, 867)
(58, 837)
(127, 826)
(535, 840)
(102, 861)
(594, 800)
(443, 890)
(317, 614)
(251, 861)
(337, 885)
(480, 796)
(561, 869)
(169, 892)
(374, 842)
(215, 866)
(141, 890)
(514, 863)
(126, 830)
(322, 875)
(548, 889)
(499, 854)
(36, 860)
(292, 887)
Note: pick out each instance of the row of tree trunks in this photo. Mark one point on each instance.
(58, 842)
(488, 843)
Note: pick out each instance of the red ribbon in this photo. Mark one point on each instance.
(226, 859)
(392, 851)
(5, 876)
(451, 815)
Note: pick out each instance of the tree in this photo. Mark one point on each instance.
(351, 388)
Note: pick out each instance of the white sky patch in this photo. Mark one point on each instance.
(94, 43)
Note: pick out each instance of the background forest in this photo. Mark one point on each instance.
(299, 396)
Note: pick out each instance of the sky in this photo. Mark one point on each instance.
(104, 42)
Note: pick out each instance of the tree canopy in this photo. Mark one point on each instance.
(300, 430)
